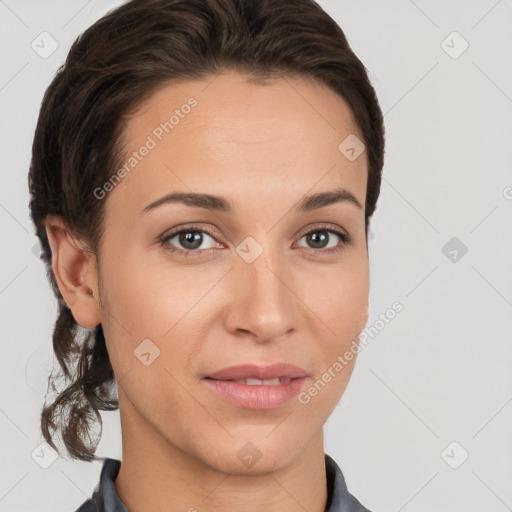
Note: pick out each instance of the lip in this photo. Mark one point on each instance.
(261, 396)
(255, 371)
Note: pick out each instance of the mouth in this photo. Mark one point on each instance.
(261, 394)
(251, 381)
(255, 374)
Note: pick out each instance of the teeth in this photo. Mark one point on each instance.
(266, 382)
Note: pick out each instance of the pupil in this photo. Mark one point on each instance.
(319, 235)
(191, 237)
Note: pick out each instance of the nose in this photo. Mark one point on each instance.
(262, 304)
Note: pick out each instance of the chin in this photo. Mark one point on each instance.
(253, 455)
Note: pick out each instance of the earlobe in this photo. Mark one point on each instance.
(74, 268)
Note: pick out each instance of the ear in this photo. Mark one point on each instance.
(75, 271)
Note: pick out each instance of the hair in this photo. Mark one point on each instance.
(111, 68)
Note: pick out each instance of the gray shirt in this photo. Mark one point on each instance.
(106, 499)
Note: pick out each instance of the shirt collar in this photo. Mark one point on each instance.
(339, 498)
(106, 499)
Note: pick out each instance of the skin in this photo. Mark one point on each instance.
(264, 148)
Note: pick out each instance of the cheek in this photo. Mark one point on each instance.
(151, 299)
(132, 314)
(349, 305)
(144, 296)
(339, 296)
(342, 305)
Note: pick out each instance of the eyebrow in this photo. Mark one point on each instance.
(221, 204)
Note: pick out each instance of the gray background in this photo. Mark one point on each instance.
(434, 384)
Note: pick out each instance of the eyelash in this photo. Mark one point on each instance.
(345, 239)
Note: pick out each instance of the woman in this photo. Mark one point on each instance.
(202, 179)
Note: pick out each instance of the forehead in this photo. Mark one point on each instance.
(222, 131)
(299, 101)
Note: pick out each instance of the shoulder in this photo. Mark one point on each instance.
(340, 498)
(104, 498)
(355, 506)
(88, 506)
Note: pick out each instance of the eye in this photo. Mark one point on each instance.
(188, 241)
(321, 239)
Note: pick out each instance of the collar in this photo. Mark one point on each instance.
(106, 499)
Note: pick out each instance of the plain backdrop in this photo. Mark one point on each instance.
(425, 423)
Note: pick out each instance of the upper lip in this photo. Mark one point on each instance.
(255, 371)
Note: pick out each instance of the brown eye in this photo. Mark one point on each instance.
(318, 239)
(326, 240)
(188, 241)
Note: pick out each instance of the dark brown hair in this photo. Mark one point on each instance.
(111, 68)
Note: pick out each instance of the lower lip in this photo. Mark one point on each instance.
(258, 396)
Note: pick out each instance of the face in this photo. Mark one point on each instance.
(263, 282)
